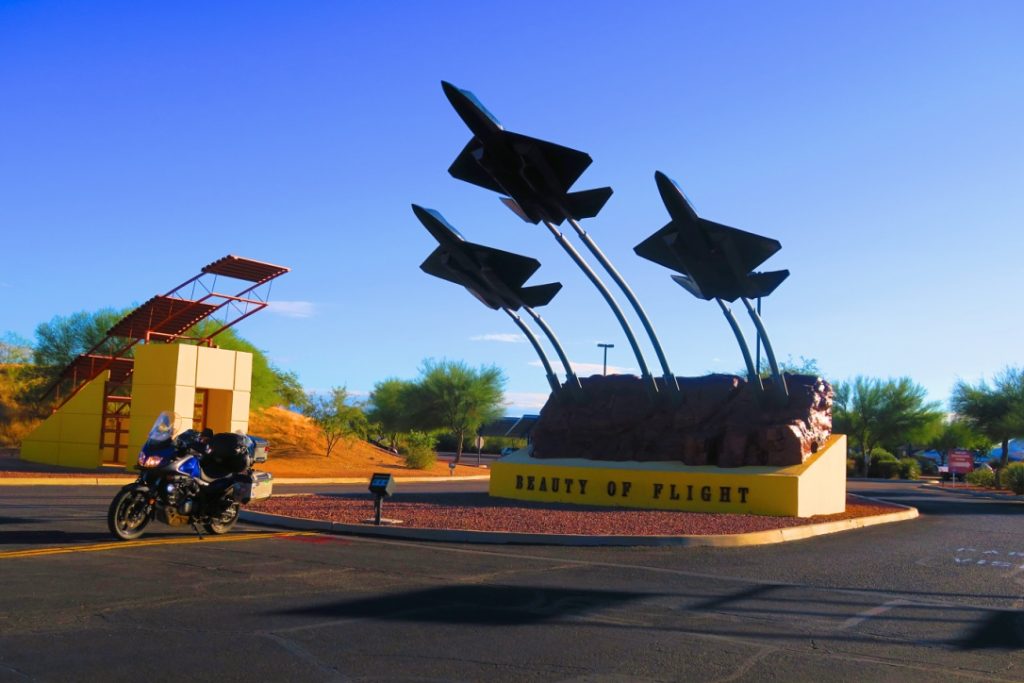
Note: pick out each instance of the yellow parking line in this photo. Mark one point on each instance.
(121, 545)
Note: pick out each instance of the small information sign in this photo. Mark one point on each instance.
(961, 462)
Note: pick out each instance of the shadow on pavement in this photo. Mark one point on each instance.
(18, 520)
(998, 631)
(482, 605)
(975, 628)
(979, 628)
(53, 536)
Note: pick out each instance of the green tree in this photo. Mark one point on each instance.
(456, 397)
(875, 412)
(390, 408)
(336, 418)
(63, 338)
(996, 411)
(958, 433)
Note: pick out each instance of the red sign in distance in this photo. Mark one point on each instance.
(960, 462)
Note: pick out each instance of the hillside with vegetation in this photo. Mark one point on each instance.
(296, 450)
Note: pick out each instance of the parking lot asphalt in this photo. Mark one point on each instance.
(937, 598)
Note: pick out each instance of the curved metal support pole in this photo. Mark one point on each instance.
(758, 363)
(645, 373)
(778, 381)
(571, 380)
(670, 378)
(752, 375)
(552, 379)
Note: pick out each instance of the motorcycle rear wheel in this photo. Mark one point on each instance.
(128, 515)
(225, 522)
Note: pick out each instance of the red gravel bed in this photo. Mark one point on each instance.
(480, 512)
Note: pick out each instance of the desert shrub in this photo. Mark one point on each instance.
(1013, 477)
(852, 467)
(418, 450)
(909, 468)
(884, 464)
(928, 467)
(981, 477)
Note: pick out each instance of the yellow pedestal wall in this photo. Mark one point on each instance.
(816, 487)
(71, 436)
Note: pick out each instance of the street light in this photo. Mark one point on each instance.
(606, 347)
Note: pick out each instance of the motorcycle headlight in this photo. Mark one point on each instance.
(149, 460)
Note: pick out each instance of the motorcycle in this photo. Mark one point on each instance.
(189, 479)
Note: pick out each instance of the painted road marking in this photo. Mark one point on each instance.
(121, 545)
(989, 558)
(871, 613)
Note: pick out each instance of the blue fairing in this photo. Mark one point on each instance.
(164, 449)
(190, 467)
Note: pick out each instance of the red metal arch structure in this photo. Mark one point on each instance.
(168, 318)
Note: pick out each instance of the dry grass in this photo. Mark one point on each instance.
(296, 450)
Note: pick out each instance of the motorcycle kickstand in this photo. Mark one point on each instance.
(196, 529)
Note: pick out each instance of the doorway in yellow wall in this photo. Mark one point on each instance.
(199, 421)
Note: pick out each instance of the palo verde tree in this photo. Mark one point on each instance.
(390, 408)
(335, 417)
(996, 411)
(453, 396)
(63, 338)
(875, 412)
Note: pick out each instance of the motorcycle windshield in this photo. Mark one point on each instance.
(163, 428)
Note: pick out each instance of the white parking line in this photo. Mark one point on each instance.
(871, 613)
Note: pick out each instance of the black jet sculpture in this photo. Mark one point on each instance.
(716, 263)
(496, 278)
(536, 175)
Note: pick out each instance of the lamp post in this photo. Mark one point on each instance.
(604, 370)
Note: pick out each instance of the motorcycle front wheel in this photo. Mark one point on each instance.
(223, 523)
(128, 514)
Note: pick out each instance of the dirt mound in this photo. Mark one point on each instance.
(297, 450)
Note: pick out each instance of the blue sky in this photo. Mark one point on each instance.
(880, 142)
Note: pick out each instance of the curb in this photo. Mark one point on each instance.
(985, 495)
(121, 481)
(752, 538)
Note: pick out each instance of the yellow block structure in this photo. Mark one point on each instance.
(816, 487)
(71, 436)
(165, 377)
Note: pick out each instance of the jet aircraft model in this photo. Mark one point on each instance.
(535, 174)
(715, 260)
(493, 276)
(496, 279)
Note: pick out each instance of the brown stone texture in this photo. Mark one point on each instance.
(717, 420)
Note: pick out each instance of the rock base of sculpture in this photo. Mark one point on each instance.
(816, 486)
(716, 420)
